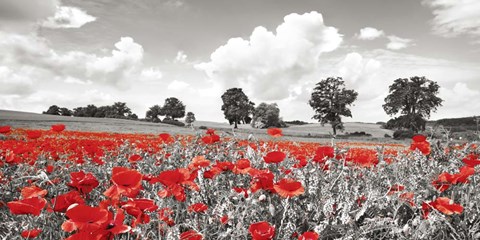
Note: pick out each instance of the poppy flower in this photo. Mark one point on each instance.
(84, 218)
(395, 188)
(288, 188)
(33, 191)
(198, 208)
(114, 226)
(166, 138)
(261, 231)
(135, 158)
(164, 215)
(83, 182)
(274, 132)
(210, 139)
(5, 129)
(322, 153)
(262, 179)
(274, 157)
(61, 202)
(191, 235)
(126, 182)
(58, 127)
(199, 162)
(27, 206)
(33, 134)
(32, 233)
(362, 157)
(471, 160)
(420, 142)
(213, 172)
(444, 205)
(224, 219)
(210, 131)
(49, 168)
(242, 166)
(138, 208)
(225, 166)
(408, 197)
(174, 181)
(308, 236)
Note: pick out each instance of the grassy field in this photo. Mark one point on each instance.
(306, 133)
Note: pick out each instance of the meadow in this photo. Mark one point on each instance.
(60, 183)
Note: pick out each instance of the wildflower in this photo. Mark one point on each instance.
(5, 129)
(83, 182)
(288, 188)
(84, 218)
(32, 233)
(33, 134)
(33, 191)
(198, 208)
(191, 235)
(274, 157)
(126, 182)
(135, 158)
(61, 202)
(420, 142)
(261, 231)
(308, 236)
(58, 127)
(32, 206)
(275, 132)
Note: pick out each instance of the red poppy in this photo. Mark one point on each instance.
(408, 197)
(288, 188)
(420, 143)
(113, 227)
(126, 182)
(471, 160)
(274, 157)
(224, 219)
(261, 231)
(58, 127)
(27, 206)
(362, 157)
(262, 179)
(210, 131)
(33, 191)
(135, 158)
(84, 183)
(395, 188)
(198, 208)
(166, 138)
(138, 208)
(211, 139)
(322, 153)
(213, 172)
(225, 166)
(85, 218)
(191, 235)
(5, 129)
(63, 201)
(49, 168)
(164, 215)
(32, 233)
(443, 205)
(274, 132)
(199, 162)
(242, 166)
(308, 236)
(174, 180)
(33, 134)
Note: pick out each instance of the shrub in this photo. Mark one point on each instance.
(359, 134)
(402, 134)
(173, 122)
(203, 127)
(387, 135)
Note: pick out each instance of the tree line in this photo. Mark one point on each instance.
(411, 99)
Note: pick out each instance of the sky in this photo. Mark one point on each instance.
(74, 53)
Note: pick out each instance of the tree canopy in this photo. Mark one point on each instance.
(414, 98)
(266, 115)
(173, 108)
(330, 101)
(190, 118)
(53, 110)
(236, 106)
(153, 113)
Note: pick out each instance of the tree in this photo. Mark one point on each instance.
(190, 118)
(153, 113)
(66, 112)
(266, 115)
(173, 108)
(330, 101)
(120, 110)
(414, 98)
(104, 112)
(236, 106)
(53, 110)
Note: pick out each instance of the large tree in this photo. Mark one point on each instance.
(414, 98)
(190, 118)
(236, 106)
(330, 101)
(153, 113)
(173, 108)
(53, 110)
(120, 110)
(266, 115)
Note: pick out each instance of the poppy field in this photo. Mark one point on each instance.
(60, 184)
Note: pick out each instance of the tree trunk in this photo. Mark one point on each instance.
(334, 127)
(236, 123)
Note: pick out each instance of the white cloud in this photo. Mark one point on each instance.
(177, 85)
(174, 3)
(68, 17)
(27, 10)
(151, 74)
(455, 17)
(369, 33)
(361, 74)
(13, 83)
(268, 64)
(397, 43)
(181, 57)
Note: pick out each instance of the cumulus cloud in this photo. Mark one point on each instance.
(369, 33)
(27, 10)
(177, 85)
(12, 83)
(68, 17)
(180, 58)
(397, 43)
(455, 17)
(268, 64)
(361, 73)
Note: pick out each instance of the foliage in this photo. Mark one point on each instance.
(153, 113)
(66, 112)
(117, 110)
(173, 122)
(296, 122)
(267, 115)
(403, 134)
(173, 108)
(53, 110)
(406, 121)
(330, 101)
(190, 118)
(236, 106)
(414, 98)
